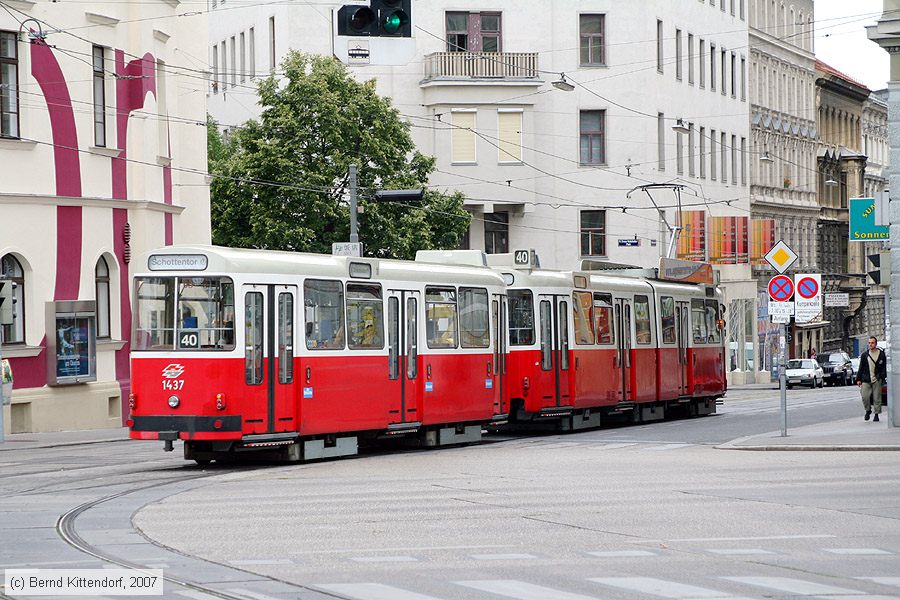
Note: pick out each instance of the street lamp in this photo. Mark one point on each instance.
(831, 182)
(680, 127)
(766, 158)
(562, 84)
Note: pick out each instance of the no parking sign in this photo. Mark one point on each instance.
(808, 305)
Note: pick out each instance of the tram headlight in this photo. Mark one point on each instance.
(174, 401)
(220, 401)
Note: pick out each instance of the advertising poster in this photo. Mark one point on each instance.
(762, 239)
(72, 347)
(728, 240)
(692, 240)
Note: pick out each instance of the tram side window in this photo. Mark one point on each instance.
(205, 313)
(440, 317)
(643, 333)
(603, 318)
(667, 319)
(474, 319)
(253, 336)
(285, 338)
(521, 318)
(712, 322)
(365, 317)
(698, 321)
(582, 303)
(324, 310)
(154, 327)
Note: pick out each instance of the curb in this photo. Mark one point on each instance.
(57, 444)
(810, 448)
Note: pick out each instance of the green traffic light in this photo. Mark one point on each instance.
(394, 21)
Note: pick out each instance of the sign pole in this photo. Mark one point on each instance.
(782, 378)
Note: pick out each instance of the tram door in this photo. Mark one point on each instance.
(554, 321)
(683, 316)
(403, 355)
(269, 336)
(623, 324)
(498, 318)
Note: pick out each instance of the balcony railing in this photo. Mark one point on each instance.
(481, 65)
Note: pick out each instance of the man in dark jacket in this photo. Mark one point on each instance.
(871, 376)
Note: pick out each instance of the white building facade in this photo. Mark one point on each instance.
(543, 168)
(103, 146)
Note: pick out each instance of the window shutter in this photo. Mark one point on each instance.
(463, 137)
(510, 127)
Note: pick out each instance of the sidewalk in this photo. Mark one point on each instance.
(846, 434)
(28, 441)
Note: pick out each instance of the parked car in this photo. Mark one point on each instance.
(804, 371)
(854, 362)
(837, 368)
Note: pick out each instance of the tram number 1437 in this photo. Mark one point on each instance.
(173, 384)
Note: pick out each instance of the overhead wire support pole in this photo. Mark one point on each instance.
(354, 234)
(674, 230)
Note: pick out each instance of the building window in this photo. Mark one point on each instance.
(215, 69)
(743, 4)
(510, 127)
(734, 159)
(661, 140)
(732, 8)
(679, 153)
(234, 66)
(99, 98)
(659, 45)
(243, 58)
(733, 75)
(691, 58)
(678, 54)
(702, 63)
(251, 57)
(473, 32)
(723, 147)
(744, 79)
(272, 44)
(462, 137)
(743, 161)
(712, 67)
(9, 85)
(690, 152)
(723, 87)
(223, 82)
(101, 289)
(591, 28)
(496, 233)
(592, 137)
(593, 233)
(712, 154)
(703, 153)
(11, 270)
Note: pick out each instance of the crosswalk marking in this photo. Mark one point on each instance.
(667, 447)
(373, 591)
(793, 586)
(622, 553)
(521, 590)
(893, 581)
(739, 551)
(261, 561)
(660, 587)
(612, 446)
(856, 551)
(502, 556)
(374, 559)
(249, 594)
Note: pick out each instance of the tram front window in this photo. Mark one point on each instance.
(203, 320)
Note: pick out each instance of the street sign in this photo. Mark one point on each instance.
(629, 243)
(346, 249)
(809, 297)
(781, 257)
(781, 288)
(837, 299)
(863, 227)
(781, 310)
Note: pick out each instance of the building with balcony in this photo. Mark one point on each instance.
(102, 139)
(545, 165)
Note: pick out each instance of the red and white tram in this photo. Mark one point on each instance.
(328, 349)
(585, 345)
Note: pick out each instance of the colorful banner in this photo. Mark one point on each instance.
(728, 240)
(692, 239)
(762, 239)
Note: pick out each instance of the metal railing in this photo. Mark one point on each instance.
(482, 65)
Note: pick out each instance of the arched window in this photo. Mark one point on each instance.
(11, 269)
(101, 286)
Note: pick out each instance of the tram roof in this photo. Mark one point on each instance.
(225, 260)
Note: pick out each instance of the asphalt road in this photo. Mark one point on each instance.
(653, 511)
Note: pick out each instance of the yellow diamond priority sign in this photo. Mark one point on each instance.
(781, 257)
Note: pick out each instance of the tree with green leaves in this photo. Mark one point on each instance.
(281, 182)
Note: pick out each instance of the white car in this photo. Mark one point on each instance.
(804, 371)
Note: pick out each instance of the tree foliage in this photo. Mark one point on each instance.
(281, 182)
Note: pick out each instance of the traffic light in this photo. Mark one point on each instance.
(381, 18)
(394, 17)
(7, 300)
(881, 274)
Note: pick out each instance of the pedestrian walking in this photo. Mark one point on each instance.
(870, 377)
